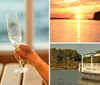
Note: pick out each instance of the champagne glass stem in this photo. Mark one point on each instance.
(20, 64)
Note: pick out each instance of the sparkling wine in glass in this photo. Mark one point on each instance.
(14, 34)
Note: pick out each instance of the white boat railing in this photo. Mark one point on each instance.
(89, 68)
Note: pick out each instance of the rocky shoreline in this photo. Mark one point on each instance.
(68, 65)
(96, 15)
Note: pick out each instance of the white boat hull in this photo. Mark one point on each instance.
(91, 76)
(90, 71)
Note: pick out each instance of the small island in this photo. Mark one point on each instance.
(96, 15)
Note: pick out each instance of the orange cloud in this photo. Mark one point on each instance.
(65, 8)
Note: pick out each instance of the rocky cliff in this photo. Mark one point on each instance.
(96, 15)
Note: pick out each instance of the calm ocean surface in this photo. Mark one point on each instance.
(69, 77)
(74, 30)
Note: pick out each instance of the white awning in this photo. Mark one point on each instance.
(94, 55)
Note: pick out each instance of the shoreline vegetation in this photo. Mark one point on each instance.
(70, 65)
(64, 58)
(68, 58)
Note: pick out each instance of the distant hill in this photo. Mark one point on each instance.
(58, 18)
(96, 15)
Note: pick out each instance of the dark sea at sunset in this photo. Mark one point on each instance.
(64, 30)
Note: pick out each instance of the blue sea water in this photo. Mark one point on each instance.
(41, 21)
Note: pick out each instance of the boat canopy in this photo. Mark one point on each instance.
(89, 55)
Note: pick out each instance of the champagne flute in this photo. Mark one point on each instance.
(14, 34)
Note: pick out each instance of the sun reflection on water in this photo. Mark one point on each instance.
(78, 28)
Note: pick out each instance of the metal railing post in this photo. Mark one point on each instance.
(29, 22)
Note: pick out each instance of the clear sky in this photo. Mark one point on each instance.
(74, 8)
(81, 48)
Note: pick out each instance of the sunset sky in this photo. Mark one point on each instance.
(74, 8)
